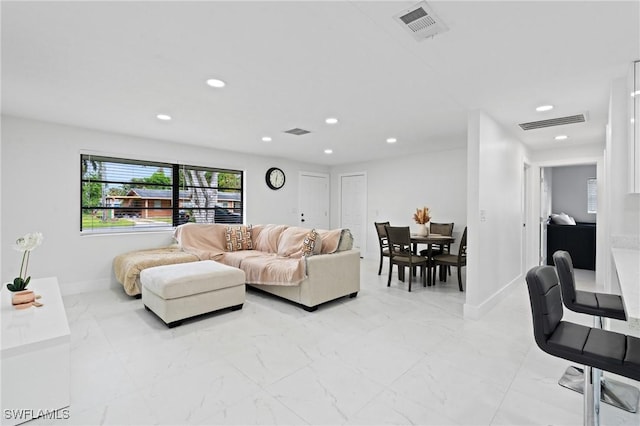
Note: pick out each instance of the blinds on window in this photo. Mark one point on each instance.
(132, 195)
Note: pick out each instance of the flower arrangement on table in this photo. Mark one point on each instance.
(422, 216)
(25, 244)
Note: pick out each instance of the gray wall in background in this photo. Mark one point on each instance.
(569, 191)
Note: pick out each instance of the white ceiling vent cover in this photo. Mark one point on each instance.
(297, 131)
(559, 121)
(421, 22)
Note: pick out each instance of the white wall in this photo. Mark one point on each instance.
(622, 224)
(2, 282)
(495, 215)
(623, 206)
(396, 187)
(569, 191)
(41, 192)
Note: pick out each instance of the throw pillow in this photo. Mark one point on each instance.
(311, 243)
(238, 238)
(346, 240)
(562, 219)
(570, 219)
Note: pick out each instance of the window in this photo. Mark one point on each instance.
(592, 195)
(132, 195)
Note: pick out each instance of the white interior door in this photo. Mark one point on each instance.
(313, 200)
(353, 207)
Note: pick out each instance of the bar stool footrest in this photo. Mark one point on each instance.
(613, 392)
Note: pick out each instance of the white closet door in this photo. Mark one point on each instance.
(313, 204)
(353, 207)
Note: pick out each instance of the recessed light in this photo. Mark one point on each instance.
(214, 82)
(561, 137)
(163, 117)
(543, 108)
(266, 139)
(331, 120)
(392, 140)
(636, 93)
(328, 151)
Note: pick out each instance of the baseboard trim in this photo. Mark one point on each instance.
(477, 311)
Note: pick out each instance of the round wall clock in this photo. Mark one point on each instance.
(275, 178)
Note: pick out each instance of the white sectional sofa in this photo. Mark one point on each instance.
(308, 267)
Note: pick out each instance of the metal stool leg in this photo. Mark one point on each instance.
(591, 407)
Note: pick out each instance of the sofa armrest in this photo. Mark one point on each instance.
(330, 276)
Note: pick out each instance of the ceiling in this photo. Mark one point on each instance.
(114, 66)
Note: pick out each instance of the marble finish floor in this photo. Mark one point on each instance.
(385, 357)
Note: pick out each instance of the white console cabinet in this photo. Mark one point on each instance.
(35, 356)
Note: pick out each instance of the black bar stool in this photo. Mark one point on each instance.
(592, 347)
(597, 304)
(600, 305)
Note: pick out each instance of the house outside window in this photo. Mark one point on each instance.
(132, 195)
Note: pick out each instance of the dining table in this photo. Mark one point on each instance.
(429, 240)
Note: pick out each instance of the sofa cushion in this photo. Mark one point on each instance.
(346, 240)
(235, 258)
(205, 240)
(335, 240)
(291, 240)
(127, 266)
(238, 238)
(272, 269)
(265, 237)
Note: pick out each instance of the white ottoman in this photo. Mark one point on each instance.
(176, 292)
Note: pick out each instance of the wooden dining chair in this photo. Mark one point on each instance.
(437, 249)
(458, 260)
(400, 253)
(383, 242)
(442, 229)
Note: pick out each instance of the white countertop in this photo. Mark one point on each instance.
(28, 328)
(627, 265)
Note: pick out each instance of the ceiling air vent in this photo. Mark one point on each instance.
(297, 131)
(420, 21)
(560, 121)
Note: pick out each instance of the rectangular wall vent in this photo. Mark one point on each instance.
(420, 21)
(560, 121)
(297, 131)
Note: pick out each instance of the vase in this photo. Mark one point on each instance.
(21, 297)
(423, 231)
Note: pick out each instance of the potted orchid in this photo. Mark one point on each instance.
(26, 245)
(422, 217)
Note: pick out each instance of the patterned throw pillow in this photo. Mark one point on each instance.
(309, 243)
(238, 238)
